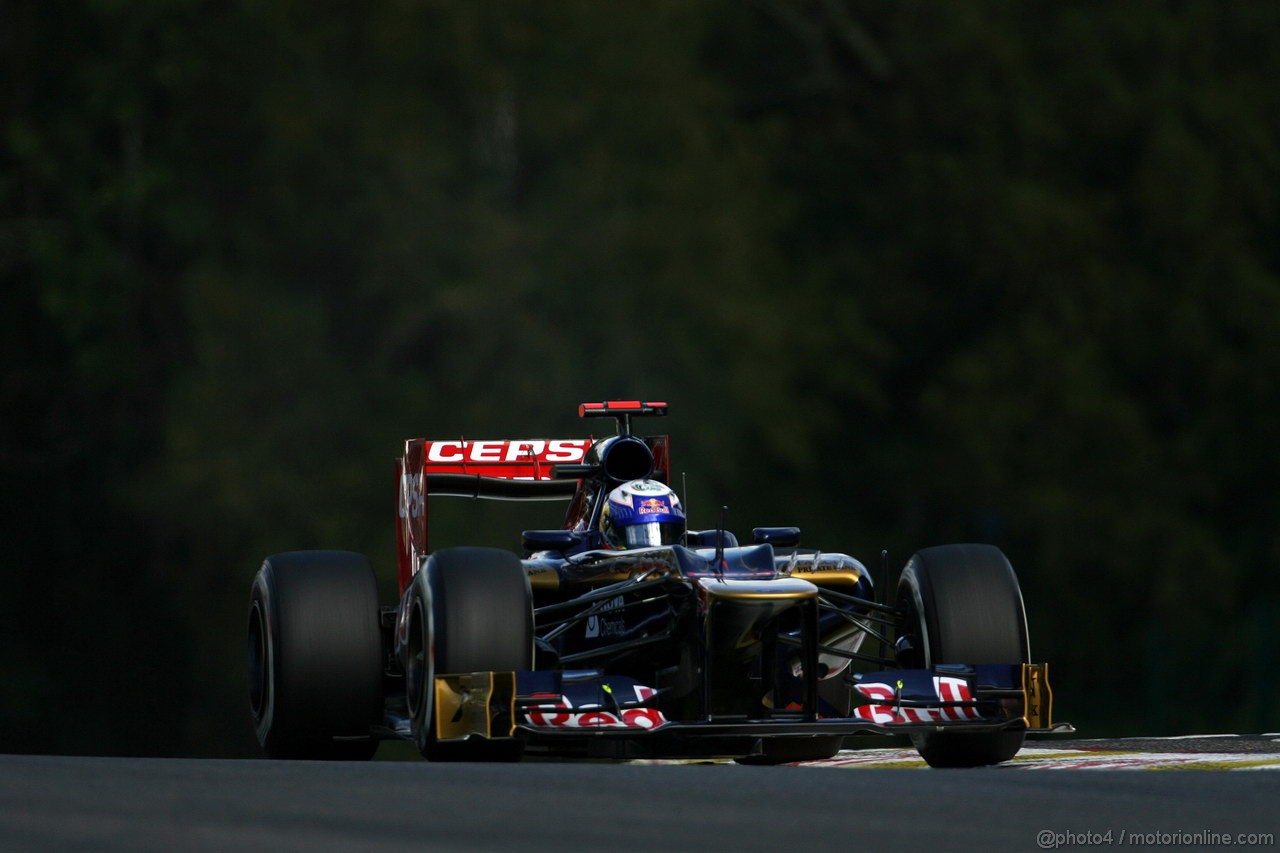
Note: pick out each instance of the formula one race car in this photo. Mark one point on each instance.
(624, 635)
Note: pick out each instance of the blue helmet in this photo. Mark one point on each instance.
(642, 513)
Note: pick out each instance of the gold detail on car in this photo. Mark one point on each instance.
(475, 703)
(825, 577)
(1037, 696)
(543, 578)
(749, 590)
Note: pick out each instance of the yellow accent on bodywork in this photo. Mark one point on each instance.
(750, 590)
(824, 578)
(468, 703)
(1037, 696)
(543, 578)
(825, 570)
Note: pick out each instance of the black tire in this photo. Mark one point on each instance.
(471, 610)
(315, 656)
(963, 606)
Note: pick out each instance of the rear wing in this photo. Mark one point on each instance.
(519, 470)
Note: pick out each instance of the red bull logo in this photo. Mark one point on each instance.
(653, 505)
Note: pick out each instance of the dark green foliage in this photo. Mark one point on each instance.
(946, 272)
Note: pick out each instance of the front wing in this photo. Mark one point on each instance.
(619, 717)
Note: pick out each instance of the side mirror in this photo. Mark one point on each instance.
(784, 537)
(548, 540)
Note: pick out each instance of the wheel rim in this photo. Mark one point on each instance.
(418, 664)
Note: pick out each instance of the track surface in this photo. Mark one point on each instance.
(1196, 752)
(65, 803)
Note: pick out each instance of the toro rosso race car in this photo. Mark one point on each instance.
(623, 634)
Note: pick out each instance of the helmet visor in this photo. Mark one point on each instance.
(653, 533)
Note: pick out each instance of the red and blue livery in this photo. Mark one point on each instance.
(623, 634)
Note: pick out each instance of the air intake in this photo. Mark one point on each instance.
(627, 458)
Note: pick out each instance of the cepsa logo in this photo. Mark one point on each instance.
(491, 452)
(412, 503)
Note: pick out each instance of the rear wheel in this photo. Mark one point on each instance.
(315, 656)
(963, 606)
(470, 611)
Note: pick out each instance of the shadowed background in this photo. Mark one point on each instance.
(907, 273)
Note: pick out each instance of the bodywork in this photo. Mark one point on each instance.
(698, 649)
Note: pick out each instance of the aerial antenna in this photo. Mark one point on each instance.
(684, 496)
(724, 510)
(884, 598)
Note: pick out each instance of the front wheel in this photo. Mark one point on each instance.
(962, 605)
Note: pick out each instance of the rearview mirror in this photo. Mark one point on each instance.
(548, 540)
(785, 537)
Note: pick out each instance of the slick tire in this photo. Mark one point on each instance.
(962, 605)
(470, 610)
(315, 656)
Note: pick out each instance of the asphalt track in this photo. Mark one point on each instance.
(107, 804)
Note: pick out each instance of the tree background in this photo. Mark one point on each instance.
(908, 273)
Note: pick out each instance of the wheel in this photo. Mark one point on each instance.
(470, 611)
(962, 605)
(315, 656)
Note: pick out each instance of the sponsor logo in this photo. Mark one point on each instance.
(412, 502)
(559, 713)
(601, 625)
(653, 505)
(647, 487)
(458, 452)
(947, 689)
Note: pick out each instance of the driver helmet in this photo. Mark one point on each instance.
(640, 514)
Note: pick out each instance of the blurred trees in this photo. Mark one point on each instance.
(907, 273)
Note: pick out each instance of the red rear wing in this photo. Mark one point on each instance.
(521, 469)
(527, 459)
